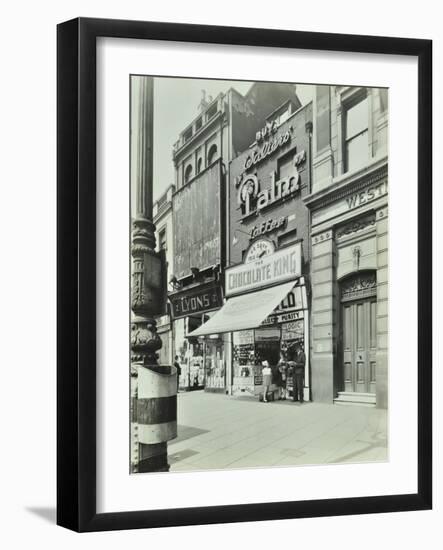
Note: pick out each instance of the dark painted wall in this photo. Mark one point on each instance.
(249, 113)
(297, 226)
(196, 222)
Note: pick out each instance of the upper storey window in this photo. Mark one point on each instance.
(187, 135)
(356, 136)
(188, 173)
(212, 154)
(211, 111)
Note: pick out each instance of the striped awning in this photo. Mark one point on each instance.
(244, 312)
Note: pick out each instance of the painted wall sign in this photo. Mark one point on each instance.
(196, 300)
(283, 265)
(252, 200)
(268, 226)
(368, 195)
(274, 319)
(197, 243)
(268, 149)
(266, 131)
(289, 309)
(351, 202)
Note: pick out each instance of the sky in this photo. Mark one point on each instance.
(176, 103)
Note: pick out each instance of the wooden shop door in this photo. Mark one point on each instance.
(359, 345)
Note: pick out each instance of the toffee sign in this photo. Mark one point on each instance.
(278, 267)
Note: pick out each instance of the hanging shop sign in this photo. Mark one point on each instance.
(251, 199)
(280, 266)
(196, 300)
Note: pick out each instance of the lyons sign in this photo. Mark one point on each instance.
(195, 300)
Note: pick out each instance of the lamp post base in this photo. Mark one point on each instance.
(153, 458)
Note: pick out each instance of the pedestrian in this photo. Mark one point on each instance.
(282, 367)
(179, 370)
(299, 373)
(267, 379)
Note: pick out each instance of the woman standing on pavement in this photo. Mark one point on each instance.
(267, 379)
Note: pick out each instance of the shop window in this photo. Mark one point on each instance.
(356, 145)
(212, 154)
(188, 173)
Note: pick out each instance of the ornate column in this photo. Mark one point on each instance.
(153, 387)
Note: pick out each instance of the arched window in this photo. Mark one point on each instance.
(212, 154)
(199, 165)
(188, 173)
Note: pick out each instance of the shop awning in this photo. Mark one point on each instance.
(244, 312)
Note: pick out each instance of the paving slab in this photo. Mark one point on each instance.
(216, 431)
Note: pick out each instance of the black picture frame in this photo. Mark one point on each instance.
(76, 294)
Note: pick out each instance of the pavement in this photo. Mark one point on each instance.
(216, 431)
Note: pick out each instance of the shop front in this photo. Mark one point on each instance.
(201, 359)
(266, 281)
(280, 331)
(266, 312)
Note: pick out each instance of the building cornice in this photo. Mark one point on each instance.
(348, 184)
(190, 144)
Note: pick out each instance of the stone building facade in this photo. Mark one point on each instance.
(349, 246)
(164, 237)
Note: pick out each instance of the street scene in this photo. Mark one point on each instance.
(259, 274)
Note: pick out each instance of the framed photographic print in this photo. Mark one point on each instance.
(244, 274)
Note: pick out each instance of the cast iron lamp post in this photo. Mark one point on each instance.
(153, 386)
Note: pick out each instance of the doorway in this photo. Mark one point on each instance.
(359, 334)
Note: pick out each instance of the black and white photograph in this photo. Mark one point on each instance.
(259, 274)
(221, 253)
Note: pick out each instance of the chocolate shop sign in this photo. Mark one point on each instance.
(278, 267)
(195, 300)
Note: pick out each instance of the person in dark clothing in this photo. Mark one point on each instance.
(282, 375)
(179, 370)
(299, 373)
